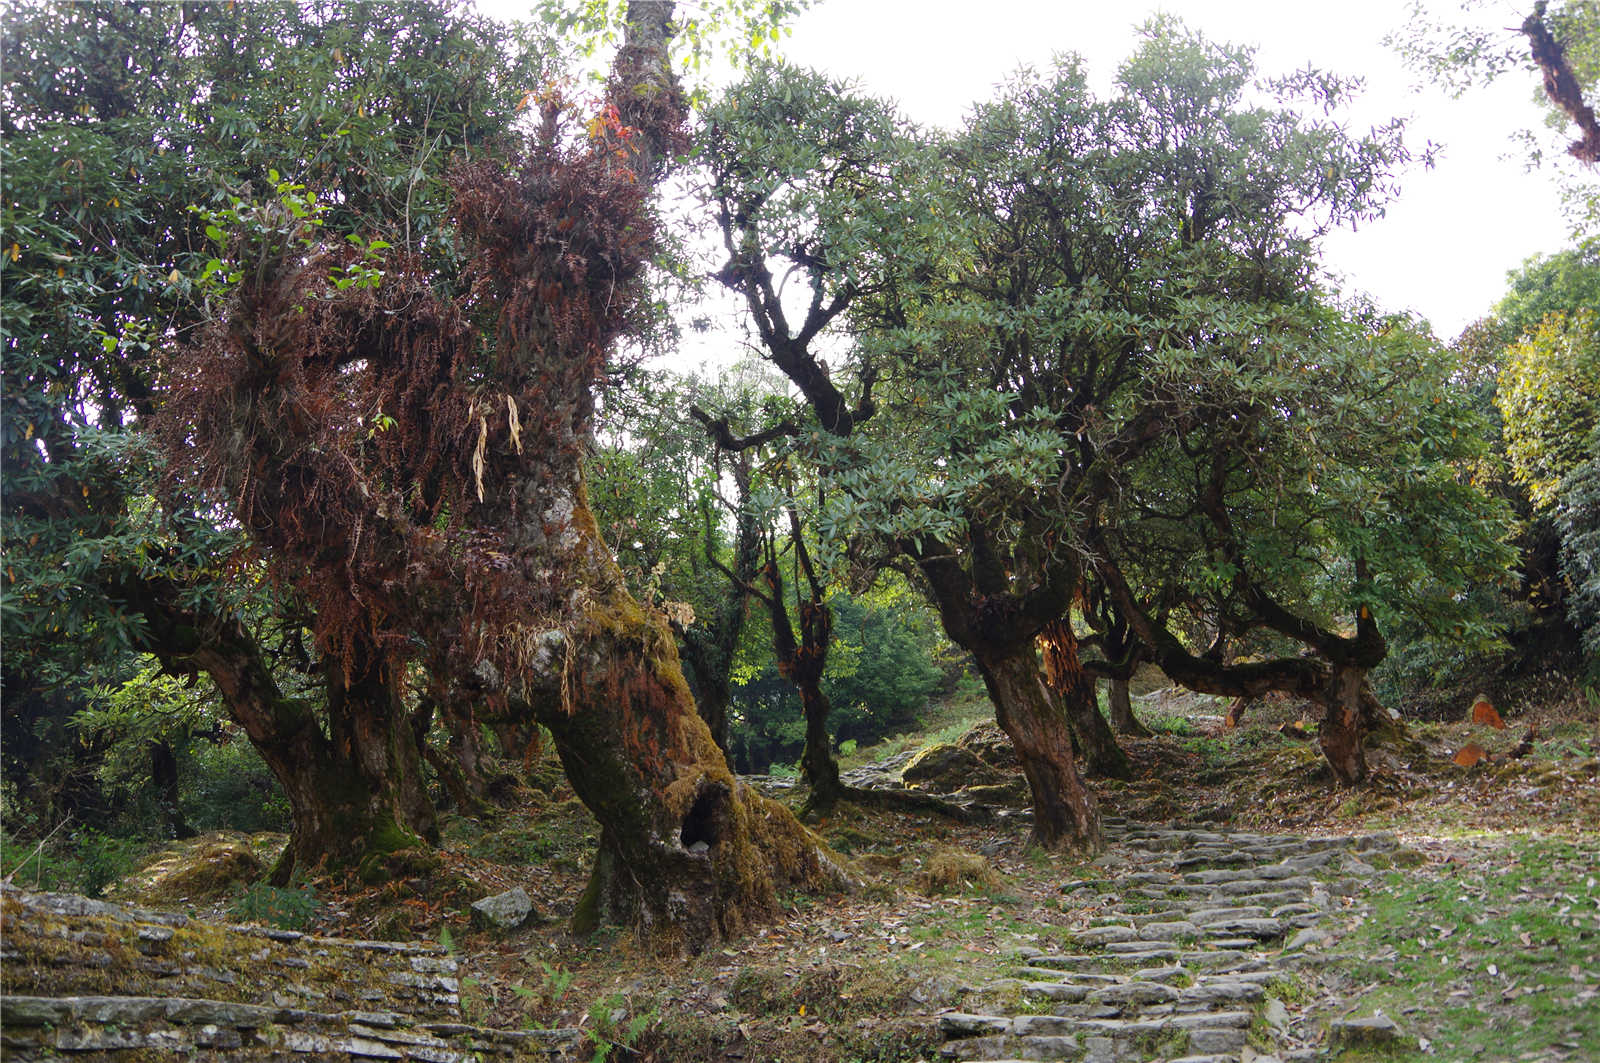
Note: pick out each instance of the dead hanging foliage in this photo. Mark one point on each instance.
(380, 443)
(1058, 655)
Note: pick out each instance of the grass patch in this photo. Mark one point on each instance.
(285, 908)
(1504, 941)
(944, 720)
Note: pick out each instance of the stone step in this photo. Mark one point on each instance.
(1188, 967)
(70, 946)
(175, 1027)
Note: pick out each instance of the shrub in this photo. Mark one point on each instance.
(284, 908)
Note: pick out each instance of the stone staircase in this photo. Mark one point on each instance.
(1195, 928)
(88, 980)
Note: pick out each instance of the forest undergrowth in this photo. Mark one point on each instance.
(1489, 914)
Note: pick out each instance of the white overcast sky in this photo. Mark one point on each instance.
(1445, 246)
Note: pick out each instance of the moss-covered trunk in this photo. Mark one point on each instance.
(1064, 812)
(688, 854)
(817, 761)
(355, 795)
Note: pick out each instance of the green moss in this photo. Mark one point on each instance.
(205, 870)
(393, 851)
(586, 915)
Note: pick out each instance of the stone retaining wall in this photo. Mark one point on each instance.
(91, 980)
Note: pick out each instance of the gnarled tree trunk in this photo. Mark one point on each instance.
(802, 659)
(355, 795)
(999, 630)
(461, 534)
(687, 853)
(1120, 705)
(712, 684)
(1064, 812)
(1350, 713)
(1064, 676)
(710, 647)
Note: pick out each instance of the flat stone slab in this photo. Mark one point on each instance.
(1135, 993)
(1065, 992)
(1376, 1029)
(1230, 1020)
(962, 1024)
(1229, 1039)
(1259, 929)
(1208, 993)
(1067, 962)
(1100, 936)
(1165, 932)
(1209, 916)
(1141, 950)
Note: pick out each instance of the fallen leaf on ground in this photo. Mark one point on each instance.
(1483, 713)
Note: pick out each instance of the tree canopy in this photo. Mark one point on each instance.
(1082, 329)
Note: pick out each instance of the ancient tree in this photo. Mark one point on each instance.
(403, 441)
(118, 120)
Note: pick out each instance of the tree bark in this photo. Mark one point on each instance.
(817, 762)
(1066, 680)
(710, 656)
(1065, 814)
(1349, 714)
(688, 854)
(802, 659)
(710, 647)
(164, 775)
(1121, 706)
(355, 794)
(999, 629)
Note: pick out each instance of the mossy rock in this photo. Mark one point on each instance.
(1011, 792)
(200, 869)
(992, 745)
(411, 862)
(946, 768)
(952, 870)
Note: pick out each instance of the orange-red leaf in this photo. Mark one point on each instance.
(1470, 754)
(1483, 713)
